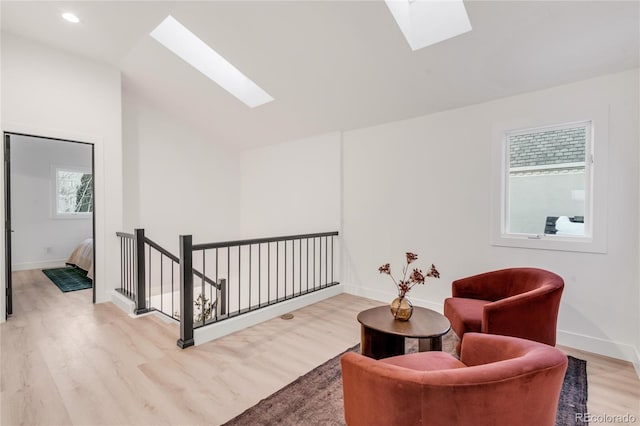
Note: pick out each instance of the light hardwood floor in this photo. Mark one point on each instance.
(67, 361)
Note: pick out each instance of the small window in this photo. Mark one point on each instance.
(73, 193)
(547, 181)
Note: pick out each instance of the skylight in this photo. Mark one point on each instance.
(70, 17)
(178, 39)
(427, 22)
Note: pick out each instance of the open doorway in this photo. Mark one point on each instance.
(49, 217)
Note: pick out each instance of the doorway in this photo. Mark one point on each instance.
(49, 207)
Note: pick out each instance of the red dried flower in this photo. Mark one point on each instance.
(385, 269)
(411, 257)
(433, 272)
(416, 276)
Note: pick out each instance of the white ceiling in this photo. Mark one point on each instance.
(336, 65)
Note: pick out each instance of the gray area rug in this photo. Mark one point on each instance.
(316, 397)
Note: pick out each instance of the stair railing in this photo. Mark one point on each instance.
(252, 274)
(149, 276)
(229, 278)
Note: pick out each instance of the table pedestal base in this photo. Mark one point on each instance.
(377, 345)
(431, 344)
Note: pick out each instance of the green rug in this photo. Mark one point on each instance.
(69, 278)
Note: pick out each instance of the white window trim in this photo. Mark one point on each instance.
(54, 193)
(595, 239)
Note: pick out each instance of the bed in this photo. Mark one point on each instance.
(82, 257)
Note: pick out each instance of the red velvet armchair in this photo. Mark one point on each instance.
(519, 302)
(499, 380)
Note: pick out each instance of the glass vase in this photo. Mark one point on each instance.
(401, 308)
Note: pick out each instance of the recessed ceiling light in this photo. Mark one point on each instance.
(68, 16)
(427, 22)
(178, 39)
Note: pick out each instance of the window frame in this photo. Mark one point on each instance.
(594, 240)
(55, 213)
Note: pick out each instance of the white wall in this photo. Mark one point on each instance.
(177, 181)
(292, 188)
(424, 185)
(48, 92)
(40, 239)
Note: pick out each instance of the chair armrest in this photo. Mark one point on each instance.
(480, 348)
(532, 315)
(486, 286)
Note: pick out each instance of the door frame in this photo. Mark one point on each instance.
(6, 147)
(7, 210)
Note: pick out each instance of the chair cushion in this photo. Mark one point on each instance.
(425, 361)
(465, 315)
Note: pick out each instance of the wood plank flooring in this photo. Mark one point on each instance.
(66, 361)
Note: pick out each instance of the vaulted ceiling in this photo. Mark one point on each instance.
(336, 65)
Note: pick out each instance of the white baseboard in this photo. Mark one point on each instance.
(600, 346)
(59, 263)
(122, 302)
(215, 331)
(621, 351)
(129, 307)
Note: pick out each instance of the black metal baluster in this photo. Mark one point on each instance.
(221, 300)
(161, 282)
(250, 265)
(228, 274)
(320, 263)
(121, 278)
(172, 291)
(149, 278)
(277, 270)
(326, 262)
(212, 288)
(307, 265)
(268, 273)
(131, 265)
(128, 264)
(285, 269)
(239, 281)
(300, 265)
(123, 264)
(203, 290)
(332, 259)
(260, 275)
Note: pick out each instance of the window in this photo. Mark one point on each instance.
(549, 187)
(547, 181)
(73, 193)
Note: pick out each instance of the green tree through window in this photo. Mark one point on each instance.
(84, 194)
(74, 192)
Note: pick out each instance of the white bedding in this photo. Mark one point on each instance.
(82, 257)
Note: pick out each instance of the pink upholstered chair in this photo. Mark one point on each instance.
(499, 380)
(519, 302)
